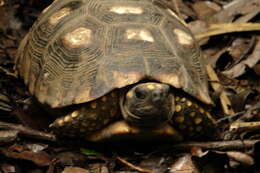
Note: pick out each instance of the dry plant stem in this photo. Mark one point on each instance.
(223, 28)
(130, 165)
(28, 131)
(225, 102)
(218, 145)
(244, 126)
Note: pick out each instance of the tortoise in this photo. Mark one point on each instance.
(125, 68)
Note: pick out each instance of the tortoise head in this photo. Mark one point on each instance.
(148, 105)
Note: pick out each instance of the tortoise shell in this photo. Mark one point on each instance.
(80, 50)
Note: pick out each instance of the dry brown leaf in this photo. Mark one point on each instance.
(250, 62)
(184, 164)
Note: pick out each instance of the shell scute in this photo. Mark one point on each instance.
(79, 50)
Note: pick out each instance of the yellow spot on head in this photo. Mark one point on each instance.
(189, 103)
(178, 108)
(183, 37)
(56, 17)
(192, 114)
(177, 98)
(198, 120)
(179, 119)
(93, 105)
(74, 114)
(78, 37)
(139, 34)
(150, 87)
(126, 10)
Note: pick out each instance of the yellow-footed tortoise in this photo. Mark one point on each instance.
(131, 68)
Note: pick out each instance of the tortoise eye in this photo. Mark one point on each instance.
(140, 94)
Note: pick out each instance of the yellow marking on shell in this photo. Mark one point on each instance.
(139, 34)
(83, 96)
(130, 94)
(56, 17)
(104, 99)
(179, 119)
(196, 105)
(150, 87)
(198, 128)
(183, 37)
(177, 98)
(126, 10)
(201, 110)
(79, 37)
(192, 114)
(178, 108)
(122, 79)
(93, 105)
(189, 103)
(177, 17)
(74, 114)
(197, 120)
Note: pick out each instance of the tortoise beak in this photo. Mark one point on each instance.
(121, 129)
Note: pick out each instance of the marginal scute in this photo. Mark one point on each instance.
(123, 79)
(171, 79)
(126, 10)
(183, 37)
(56, 17)
(78, 38)
(139, 34)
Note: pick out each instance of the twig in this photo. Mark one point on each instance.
(225, 102)
(133, 166)
(217, 145)
(223, 28)
(28, 131)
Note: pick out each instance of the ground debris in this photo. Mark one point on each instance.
(228, 32)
